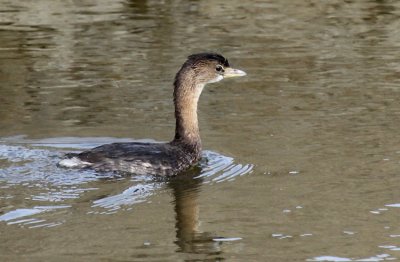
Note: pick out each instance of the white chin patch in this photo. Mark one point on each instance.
(217, 79)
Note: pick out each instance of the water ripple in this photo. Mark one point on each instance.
(219, 168)
(133, 195)
(19, 215)
(31, 164)
(380, 257)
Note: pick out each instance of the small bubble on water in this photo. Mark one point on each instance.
(281, 236)
(227, 239)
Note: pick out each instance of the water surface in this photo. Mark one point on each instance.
(302, 155)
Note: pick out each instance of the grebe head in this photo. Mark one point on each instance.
(210, 68)
(198, 70)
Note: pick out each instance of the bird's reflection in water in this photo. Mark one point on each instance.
(186, 189)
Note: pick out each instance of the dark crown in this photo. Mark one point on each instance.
(208, 56)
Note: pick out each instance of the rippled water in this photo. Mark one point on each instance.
(36, 168)
(308, 143)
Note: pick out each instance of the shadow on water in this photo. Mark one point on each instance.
(34, 187)
(190, 239)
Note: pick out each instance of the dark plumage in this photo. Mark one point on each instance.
(193, 59)
(185, 149)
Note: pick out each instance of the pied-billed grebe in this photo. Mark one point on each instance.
(185, 149)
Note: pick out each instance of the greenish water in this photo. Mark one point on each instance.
(302, 159)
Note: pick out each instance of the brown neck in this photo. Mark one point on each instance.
(186, 97)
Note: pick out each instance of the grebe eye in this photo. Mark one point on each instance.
(219, 68)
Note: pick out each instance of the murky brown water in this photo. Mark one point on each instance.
(308, 162)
